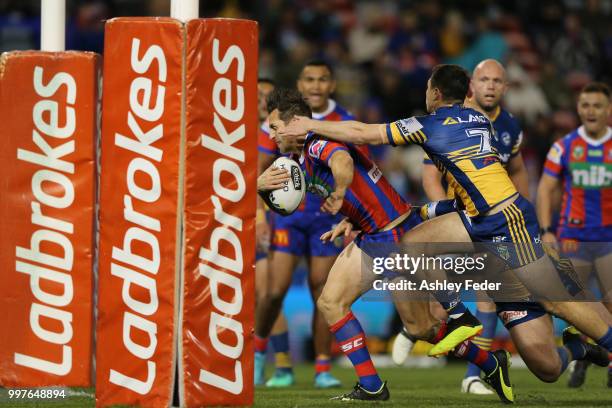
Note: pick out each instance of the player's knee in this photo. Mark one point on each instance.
(274, 298)
(328, 304)
(548, 372)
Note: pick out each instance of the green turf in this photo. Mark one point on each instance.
(412, 387)
(439, 387)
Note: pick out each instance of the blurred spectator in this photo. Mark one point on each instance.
(452, 35)
(524, 97)
(576, 49)
(383, 51)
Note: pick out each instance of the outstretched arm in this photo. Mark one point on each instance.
(349, 131)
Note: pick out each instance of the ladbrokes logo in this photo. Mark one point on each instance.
(51, 188)
(144, 188)
(222, 256)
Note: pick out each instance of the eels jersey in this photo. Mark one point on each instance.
(584, 166)
(458, 141)
(506, 140)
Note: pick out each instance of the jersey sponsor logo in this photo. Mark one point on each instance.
(315, 149)
(592, 176)
(508, 316)
(471, 118)
(408, 126)
(578, 152)
(375, 174)
(595, 153)
(352, 344)
(574, 221)
(554, 154)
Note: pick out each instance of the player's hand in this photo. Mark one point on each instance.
(344, 227)
(298, 126)
(272, 178)
(262, 232)
(333, 202)
(548, 238)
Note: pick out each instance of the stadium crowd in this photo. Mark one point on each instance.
(383, 52)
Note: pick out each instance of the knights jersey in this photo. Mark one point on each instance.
(584, 167)
(458, 141)
(334, 112)
(370, 201)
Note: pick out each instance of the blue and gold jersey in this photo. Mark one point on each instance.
(508, 135)
(458, 141)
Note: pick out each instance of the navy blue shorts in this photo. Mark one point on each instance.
(383, 243)
(586, 251)
(300, 233)
(512, 234)
(515, 313)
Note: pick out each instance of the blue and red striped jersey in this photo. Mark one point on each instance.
(370, 201)
(584, 166)
(334, 112)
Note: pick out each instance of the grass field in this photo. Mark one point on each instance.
(414, 387)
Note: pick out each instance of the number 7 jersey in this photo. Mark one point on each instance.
(458, 141)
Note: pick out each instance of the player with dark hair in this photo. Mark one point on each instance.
(488, 85)
(581, 164)
(353, 185)
(298, 235)
(458, 140)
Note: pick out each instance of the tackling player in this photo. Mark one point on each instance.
(298, 235)
(581, 163)
(457, 139)
(488, 85)
(354, 186)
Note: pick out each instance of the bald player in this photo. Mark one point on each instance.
(488, 85)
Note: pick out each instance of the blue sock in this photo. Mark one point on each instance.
(564, 355)
(489, 322)
(280, 344)
(606, 340)
(351, 339)
(577, 349)
(470, 352)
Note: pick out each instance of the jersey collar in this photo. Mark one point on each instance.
(331, 106)
(595, 142)
(495, 114)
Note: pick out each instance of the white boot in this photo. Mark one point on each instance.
(473, 385)
(402, 346)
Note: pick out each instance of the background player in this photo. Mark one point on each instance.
(279, 338)
(488, 85)
(581, 164)
(298, 234)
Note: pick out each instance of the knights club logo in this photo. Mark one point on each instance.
(578, 152)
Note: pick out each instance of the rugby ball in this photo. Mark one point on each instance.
(287, 199)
